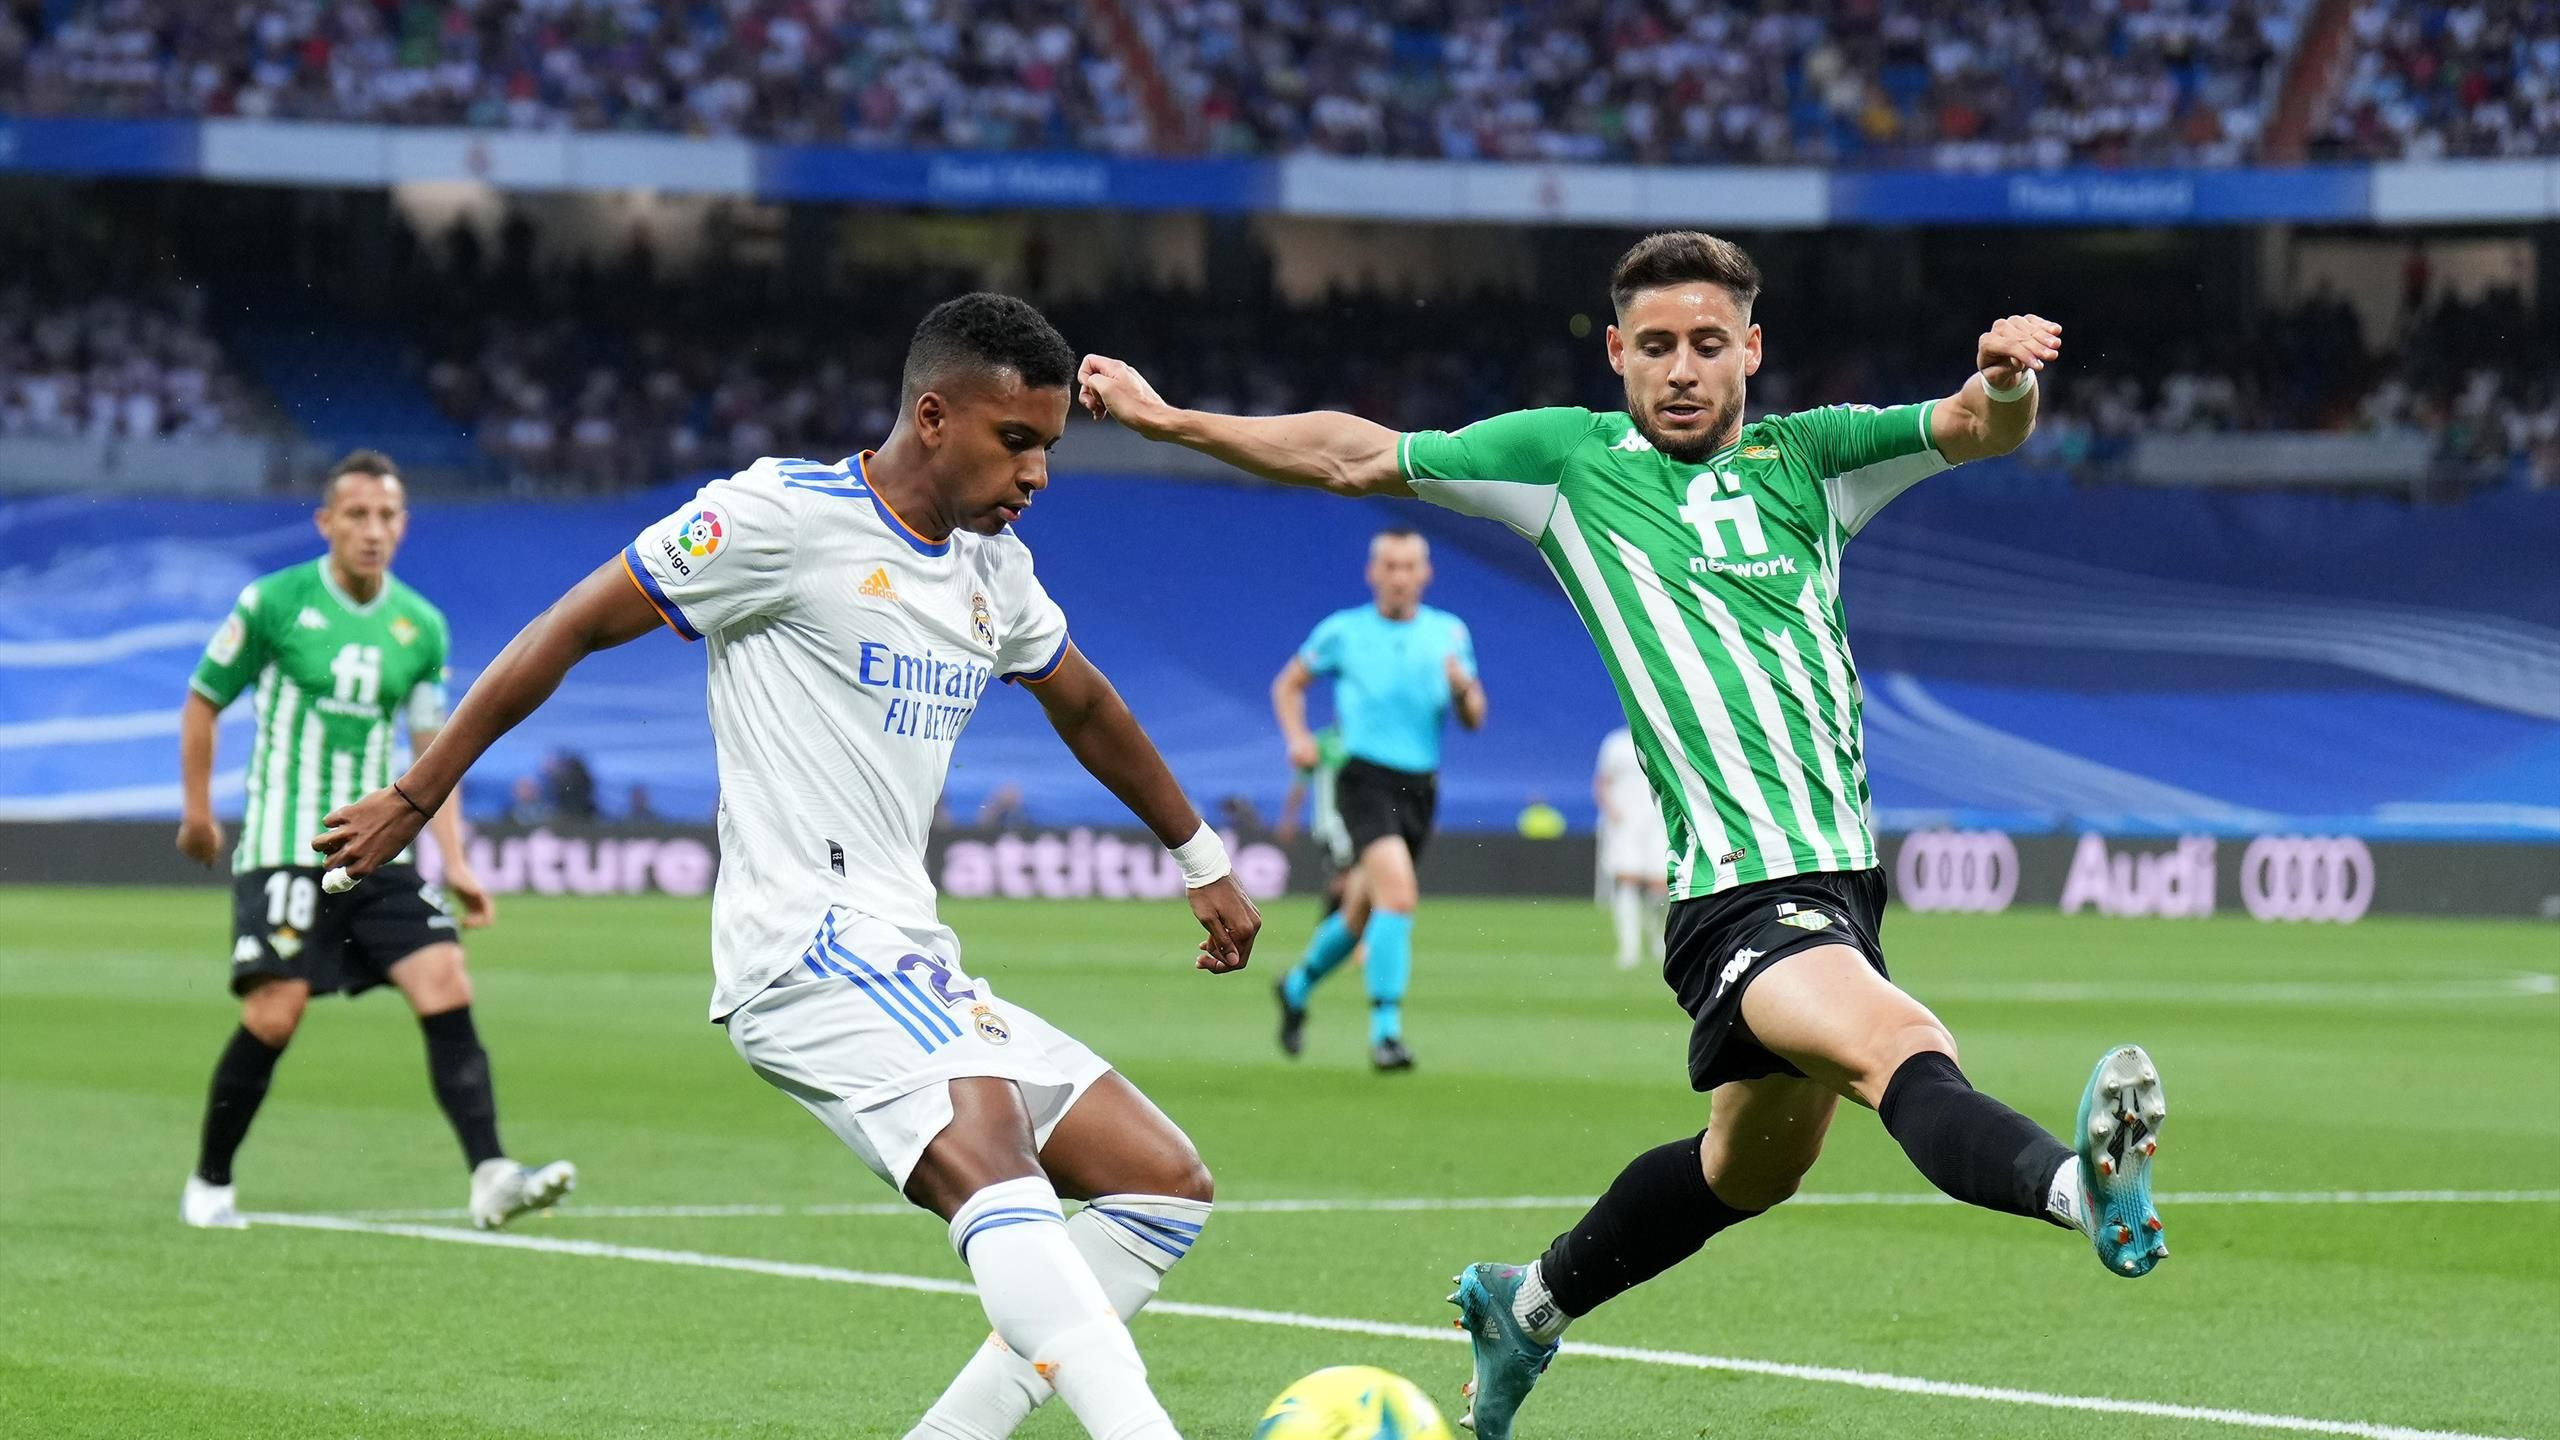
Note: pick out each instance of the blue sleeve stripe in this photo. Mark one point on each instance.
(1056, 658)
(648, 583)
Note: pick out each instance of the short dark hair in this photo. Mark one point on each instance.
(358, 462)
(1676, 257)
(984, 332)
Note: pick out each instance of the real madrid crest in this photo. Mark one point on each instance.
(990, 1025)
(981, 623)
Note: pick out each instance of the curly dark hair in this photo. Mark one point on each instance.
(982, 333)
(1675, 257)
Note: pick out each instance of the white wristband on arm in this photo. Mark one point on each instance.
(1203, 859)
(2026, 382)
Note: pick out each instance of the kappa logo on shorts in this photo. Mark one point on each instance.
(989, 1024)
(245, 952)
(1739, 966)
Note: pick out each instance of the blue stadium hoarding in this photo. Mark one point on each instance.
(1761, 197)
(2105, 197)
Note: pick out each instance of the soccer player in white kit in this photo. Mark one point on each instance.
(1635, 845)
(855, 614)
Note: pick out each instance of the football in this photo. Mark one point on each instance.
(1352, 1402)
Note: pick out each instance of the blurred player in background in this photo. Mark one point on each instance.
(340, 652)
(856, 613)
(1634, 845)
(1313, 787)
(1703, 555)
(1399, 669)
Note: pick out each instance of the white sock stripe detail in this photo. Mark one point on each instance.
(1028, 1201)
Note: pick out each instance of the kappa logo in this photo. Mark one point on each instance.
(311, 619)
(246, 951)
(1739, 966)
(878, 586)
(1634, 443)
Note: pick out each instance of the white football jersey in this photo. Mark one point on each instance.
(846, 655)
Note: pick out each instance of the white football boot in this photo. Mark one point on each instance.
(501, 1189)
(210, 1207)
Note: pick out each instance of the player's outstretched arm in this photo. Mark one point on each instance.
(1108, 741)
(1995, 412)
(1322, 449)
(598, 613)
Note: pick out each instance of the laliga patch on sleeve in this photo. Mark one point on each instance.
(696, 541)
(225, 646)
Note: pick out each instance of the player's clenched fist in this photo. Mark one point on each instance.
(2015, 344)
(1109, 390)
(1228, 914)
(365, 836)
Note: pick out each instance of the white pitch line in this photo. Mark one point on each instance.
(1819, 1374)
(1429, 1204)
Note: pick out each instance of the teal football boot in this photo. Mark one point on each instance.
(2120, 1118)
(1508, 1362)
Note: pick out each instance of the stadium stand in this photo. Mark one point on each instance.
(2129, 659)
(2425, 81)
(986, 74)
(2007, 83)
(1887, 82)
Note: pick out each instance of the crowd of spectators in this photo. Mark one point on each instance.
(963, 74)
(1691, 81)
(1986, 82)
(2428, 80)
(133, 365)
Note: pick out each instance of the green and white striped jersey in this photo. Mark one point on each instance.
(332, 676)
(1713, 590)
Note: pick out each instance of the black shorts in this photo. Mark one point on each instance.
(1716, 945)
(1376, 802)
(285, 927)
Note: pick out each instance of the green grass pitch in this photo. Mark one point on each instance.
(2391, 1056)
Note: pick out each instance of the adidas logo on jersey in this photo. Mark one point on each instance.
(878, 586)
(311, 619)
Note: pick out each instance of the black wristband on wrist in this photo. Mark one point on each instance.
(423, 812)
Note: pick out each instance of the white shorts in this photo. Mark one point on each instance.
(868, 1031)
(1635, 847)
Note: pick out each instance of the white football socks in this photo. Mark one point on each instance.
(2064, 1200)
(1128, 1242)
(1536, 1310)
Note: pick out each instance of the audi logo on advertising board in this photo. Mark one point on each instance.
(1974, 871)
(2323, 878)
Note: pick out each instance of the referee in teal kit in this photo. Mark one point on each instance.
(1399, 670)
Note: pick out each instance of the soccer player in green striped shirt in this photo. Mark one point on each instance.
(340, 652)
(1703, 554)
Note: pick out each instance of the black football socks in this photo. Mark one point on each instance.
(1657, 1213)
(240, 1081)
(459, 1069)
(1969, 1145)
